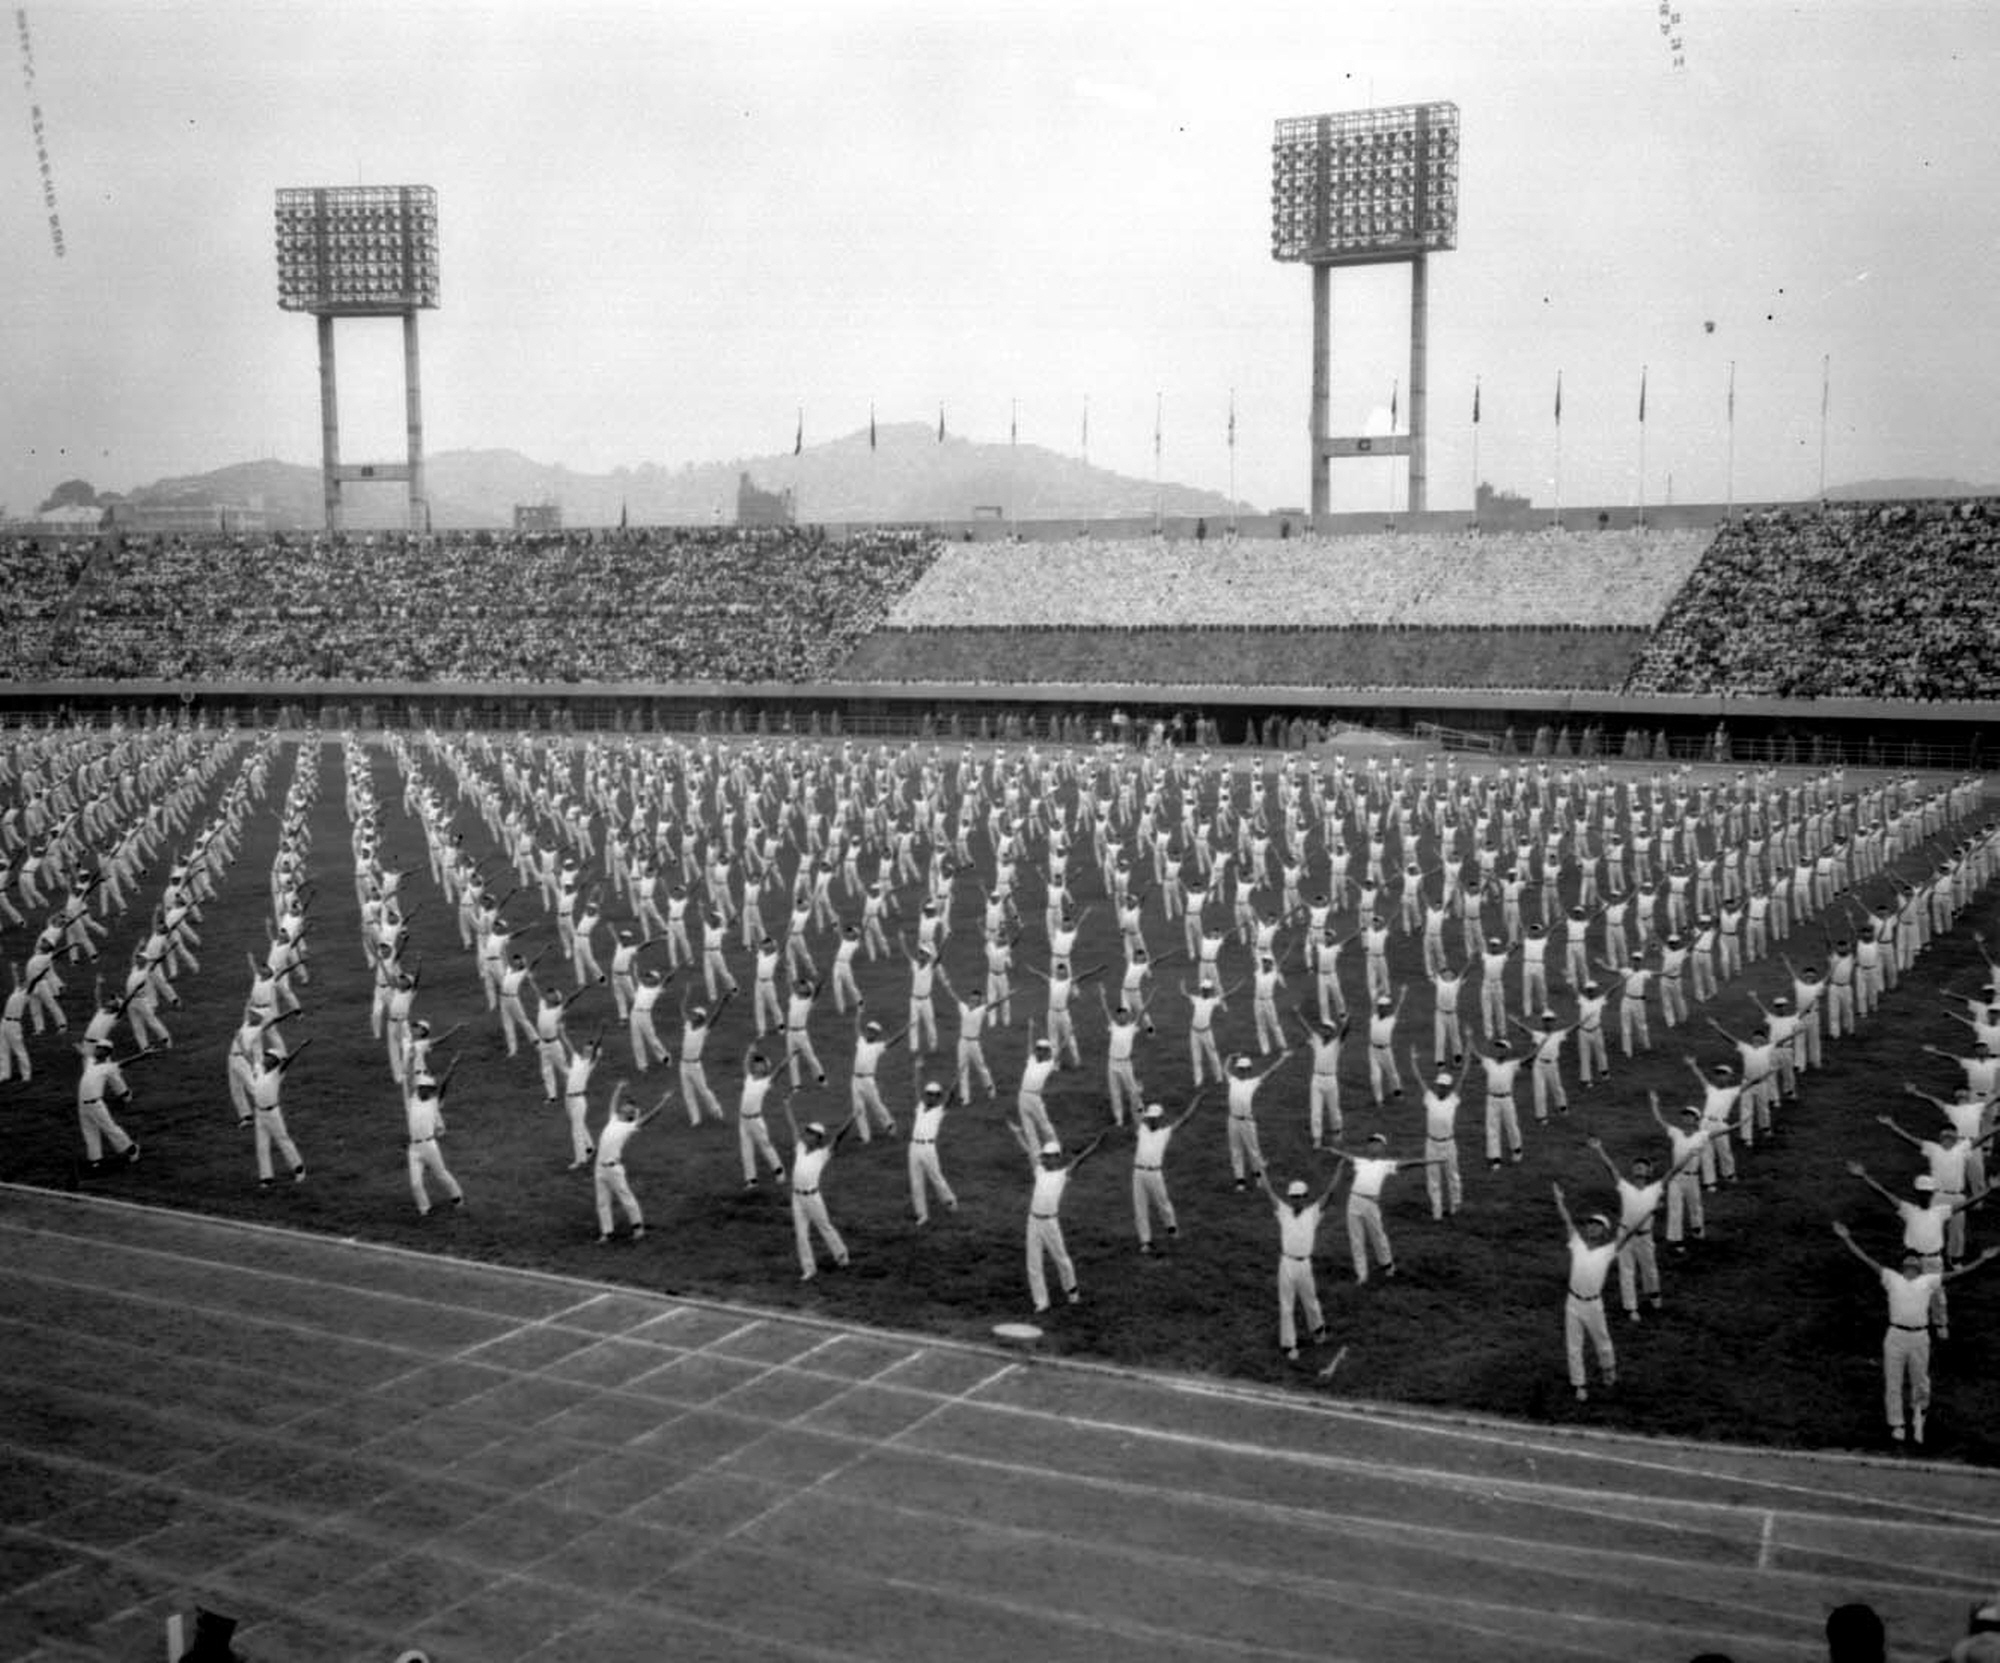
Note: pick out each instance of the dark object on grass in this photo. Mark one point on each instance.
(212, 1634)
(1854, 1634)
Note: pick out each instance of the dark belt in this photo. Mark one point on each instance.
(1300, 1258)
(609, 1166)
(1136, 1167)
(1041, 1215)
(1912, 1327)
(414, 1142)
(1586, 1298)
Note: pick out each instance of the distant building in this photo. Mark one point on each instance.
(73, 520)
(537, 516)
(183, 518)
(755, 507)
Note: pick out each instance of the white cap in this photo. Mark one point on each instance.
(1052, 1147)
(1296, 1188)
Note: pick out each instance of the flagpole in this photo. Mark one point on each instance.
(1232, 461)
(1013, 507)
(1559, 449)
(1642, 447)
(1729, 488)
(1825, 394)
(1475, 449)
(1158, 401)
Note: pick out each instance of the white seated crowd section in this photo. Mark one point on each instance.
(1391, 579)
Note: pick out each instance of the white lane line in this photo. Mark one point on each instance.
(865, 1448)
(1592, 1497)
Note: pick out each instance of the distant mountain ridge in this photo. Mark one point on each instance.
(906, 475)
(1884, 490)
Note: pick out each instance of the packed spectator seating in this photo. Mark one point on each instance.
(1854, 600)
(1534, 579)
(782, 605)
(37, 576)
(1893, 601)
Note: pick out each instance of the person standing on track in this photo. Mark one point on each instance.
(925, 1170)
(266, 1083)
(103, 1078)
(423, 1114)
(812, 1148)
(1151, 1134)
(1592, 1252)
(1045, 1238)
(1298, 1233)
(1912, 1292)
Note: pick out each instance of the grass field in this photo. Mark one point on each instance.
(1771, 1333)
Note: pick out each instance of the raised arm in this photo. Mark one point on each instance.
(1857, 1170)
(1890, 1121)
(1847, 1240)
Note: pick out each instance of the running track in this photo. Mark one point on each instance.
(353, 1449)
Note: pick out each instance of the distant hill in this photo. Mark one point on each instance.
(1882, 490)
(906, 476)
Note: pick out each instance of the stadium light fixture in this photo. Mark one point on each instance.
(361, 251)
(1366, 187)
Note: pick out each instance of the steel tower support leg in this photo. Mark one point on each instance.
(413, 400)
(1419, 369)
(1322, 350)
(329, 425)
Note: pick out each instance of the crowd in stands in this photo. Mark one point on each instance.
(37, 576)
(1896, 601)
(737, 605)
(1489, 580)
(1859, 600)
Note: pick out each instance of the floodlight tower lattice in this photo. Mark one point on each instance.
(1359, 188)
(362, 251)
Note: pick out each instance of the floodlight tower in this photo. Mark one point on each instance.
(1365, 188)
(362, 251)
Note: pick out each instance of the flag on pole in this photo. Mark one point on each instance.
(1232, 418)
(624, 515)
(1086, 428)
(1475, 401)
(1642, 394)
(1157, 402)
(1013, 420)
(1559, 398)
(871, 427)
(1395, 387)
(940, 424)
(1732, 389)
(799, 438)
(1825, 384)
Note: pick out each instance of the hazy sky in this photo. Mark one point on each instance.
(665, 227)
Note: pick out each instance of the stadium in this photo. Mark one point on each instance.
(533, 1059)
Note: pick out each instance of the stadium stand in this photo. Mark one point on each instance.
(1532, 579)
(1879, 601)
(1864, 600)
(656, 606)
